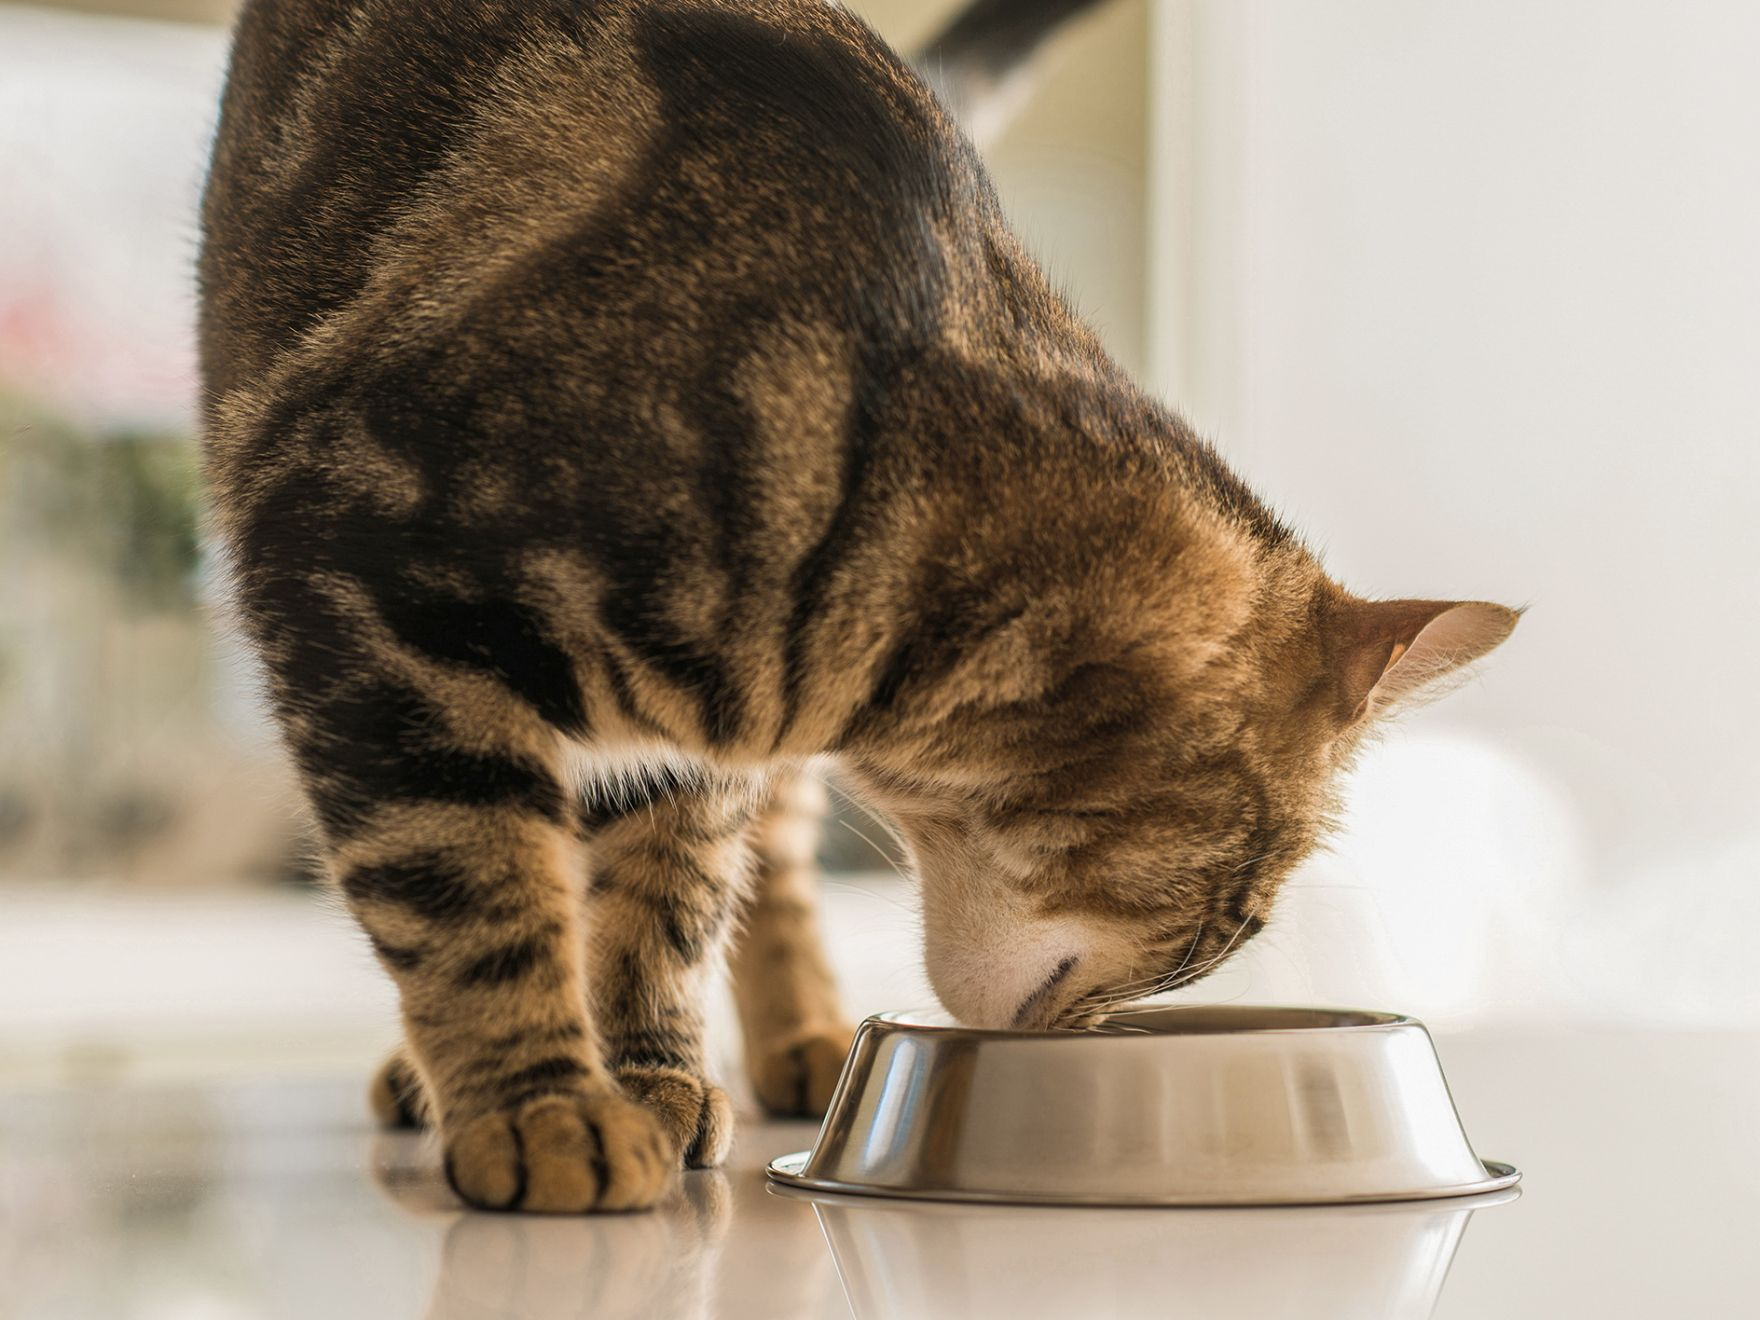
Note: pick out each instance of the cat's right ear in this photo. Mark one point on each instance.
(1391, 652)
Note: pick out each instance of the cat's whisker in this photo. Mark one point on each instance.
(1112, 999)
(910, 909)
(1145, 987)
(1128, 994)
(1232, 941)
(885, 826)
(1197, 938)
(1139, 986)
(1120, 999)
(878, 851)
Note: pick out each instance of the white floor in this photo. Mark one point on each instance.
(234, 1201)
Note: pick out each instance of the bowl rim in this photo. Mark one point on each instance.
(1355, 1020)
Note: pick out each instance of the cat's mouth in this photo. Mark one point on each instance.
(1040, 1009)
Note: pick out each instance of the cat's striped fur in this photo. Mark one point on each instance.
(656, 383)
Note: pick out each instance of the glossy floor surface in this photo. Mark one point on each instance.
(1641, 1151)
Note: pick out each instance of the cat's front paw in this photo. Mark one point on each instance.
(794, 1078)
(566, 1153)
(695, 1112)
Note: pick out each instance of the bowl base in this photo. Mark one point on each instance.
(790, 1171)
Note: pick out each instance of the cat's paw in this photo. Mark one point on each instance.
(696, 1113)
(794, 1078)
(562, 1154)
(396, 1094)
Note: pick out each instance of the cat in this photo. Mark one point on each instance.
(613, 406)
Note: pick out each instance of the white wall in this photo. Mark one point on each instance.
(1472, 292)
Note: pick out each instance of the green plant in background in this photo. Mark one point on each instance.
(154, 481)
(125, 502)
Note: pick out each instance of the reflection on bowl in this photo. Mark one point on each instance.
(974, 1262)
(1168, 1106)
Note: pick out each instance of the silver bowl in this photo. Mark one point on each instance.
(1159, 1106)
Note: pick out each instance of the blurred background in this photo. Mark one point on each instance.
(1471, 292)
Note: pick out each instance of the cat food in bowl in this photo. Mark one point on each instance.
(1158, 1106)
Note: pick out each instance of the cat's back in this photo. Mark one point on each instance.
(401, 155)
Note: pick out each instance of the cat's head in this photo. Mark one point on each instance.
(1117, 820)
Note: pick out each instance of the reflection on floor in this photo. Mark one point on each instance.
(278, 1200)
(271, 1202)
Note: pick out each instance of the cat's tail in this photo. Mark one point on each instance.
(981, 63)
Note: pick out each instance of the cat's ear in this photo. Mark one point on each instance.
(1394, 650)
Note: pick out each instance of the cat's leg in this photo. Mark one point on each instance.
(796, 1035)
(451, 838)
(669, 868)
(396, 1095)
(669, 861)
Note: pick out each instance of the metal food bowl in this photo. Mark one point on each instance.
(1158, 1106)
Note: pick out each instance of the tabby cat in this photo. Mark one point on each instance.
(614, 405)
